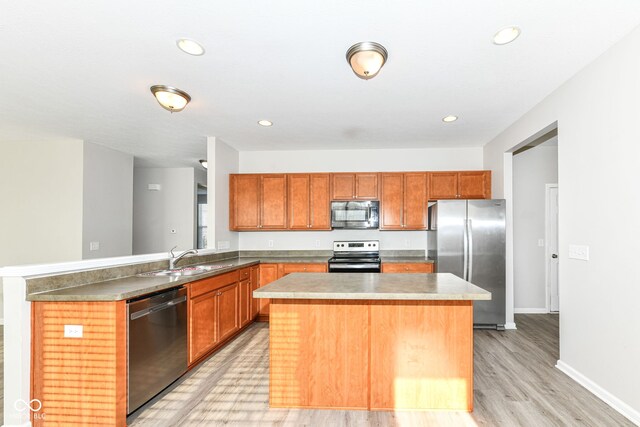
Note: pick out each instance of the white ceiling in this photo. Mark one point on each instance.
(82, 69)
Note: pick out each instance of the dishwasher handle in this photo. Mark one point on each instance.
(154, 309)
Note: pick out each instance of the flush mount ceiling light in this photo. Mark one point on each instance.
(366, 59)
(203, 163)
(449, 118)
(170, 98)
(506, 35)
(191, 47)
(265, 123)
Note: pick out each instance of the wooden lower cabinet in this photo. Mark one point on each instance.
(255, 284)
(245, 302)
(202, 325)
(409, 267)
(272, 272)
(228, 314)
(285, 269)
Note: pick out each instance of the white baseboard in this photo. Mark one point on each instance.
(608, 398)
(510, 325)
(530, 311)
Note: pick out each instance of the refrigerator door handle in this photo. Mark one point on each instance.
(465, 250)
(470, 248)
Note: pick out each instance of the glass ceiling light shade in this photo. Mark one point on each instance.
(203, 163)
(170, 98)
(366, 59)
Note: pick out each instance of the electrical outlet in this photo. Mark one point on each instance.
(407, 243)
(541, 243)
(270, 243)
(224, 244)
(94, 246)
(579, 252)
(317, 243)
(73, 331)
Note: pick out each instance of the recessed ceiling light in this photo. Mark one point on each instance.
(266, 123)
(450, 119)
(191, 47)
(506, 35)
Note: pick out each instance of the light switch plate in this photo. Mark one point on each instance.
(541, 243)
(579, 252)
(94, 246)
(73, 331)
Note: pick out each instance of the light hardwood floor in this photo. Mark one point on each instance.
(515, 384)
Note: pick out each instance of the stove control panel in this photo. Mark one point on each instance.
(356, 246)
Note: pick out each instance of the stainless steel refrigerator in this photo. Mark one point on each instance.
(467, 238)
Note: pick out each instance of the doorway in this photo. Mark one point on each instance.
(551, 251)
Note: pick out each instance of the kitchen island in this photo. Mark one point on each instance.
(371, 341)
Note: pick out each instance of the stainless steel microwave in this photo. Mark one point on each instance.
(355, 215)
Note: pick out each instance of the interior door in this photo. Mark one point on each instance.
(450, 236)
(487, 246)
(552, 248)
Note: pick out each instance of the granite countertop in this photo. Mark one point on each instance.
(401, 259)
(372, 286)
(135, 286)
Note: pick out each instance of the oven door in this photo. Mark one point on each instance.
(354, 267)
(355, 215)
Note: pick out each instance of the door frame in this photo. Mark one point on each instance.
(547, 251)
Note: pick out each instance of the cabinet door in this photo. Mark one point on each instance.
(474, 185)
(227, 303)
(301, 268)
(320, 201)
(245, 302)
(443, 185)
(255, 302)
(202, 325)
(366, 186)
(407, 267)
(391, 209)
(415, 201)
(268, 274)
(244, 202)
(344, 186)
(274, 202)
(298, 201)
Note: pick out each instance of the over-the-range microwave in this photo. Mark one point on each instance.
(355, 215)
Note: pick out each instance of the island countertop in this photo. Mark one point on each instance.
(372, 286)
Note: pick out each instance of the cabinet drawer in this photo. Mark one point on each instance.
(407, 268)
(245, 273)
(207, 285)
(302, 268)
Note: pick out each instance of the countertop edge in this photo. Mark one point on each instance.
(373, 296)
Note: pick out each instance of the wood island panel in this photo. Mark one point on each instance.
(80, 381)
(319, 354)
(422, 355)
(371, 354)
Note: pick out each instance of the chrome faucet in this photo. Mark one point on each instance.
(173, 260)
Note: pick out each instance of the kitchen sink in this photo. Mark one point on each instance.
(185, 271)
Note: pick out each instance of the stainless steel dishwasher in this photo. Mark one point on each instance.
(156, 344)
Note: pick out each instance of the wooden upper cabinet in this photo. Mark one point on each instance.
(244, 202)
(391, 201)
(403, 200)
(474, 185)
(460, 185)
(309, 202)
(257, 202)
(355, 186)
(274, 201)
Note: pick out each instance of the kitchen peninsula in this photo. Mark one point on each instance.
(371, 341)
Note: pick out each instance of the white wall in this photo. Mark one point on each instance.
(532, 170)
(41, 194)
(598, 133)
(361, 160)
(107, 202)
(350, 161)
(156, 213)
(223, 160)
